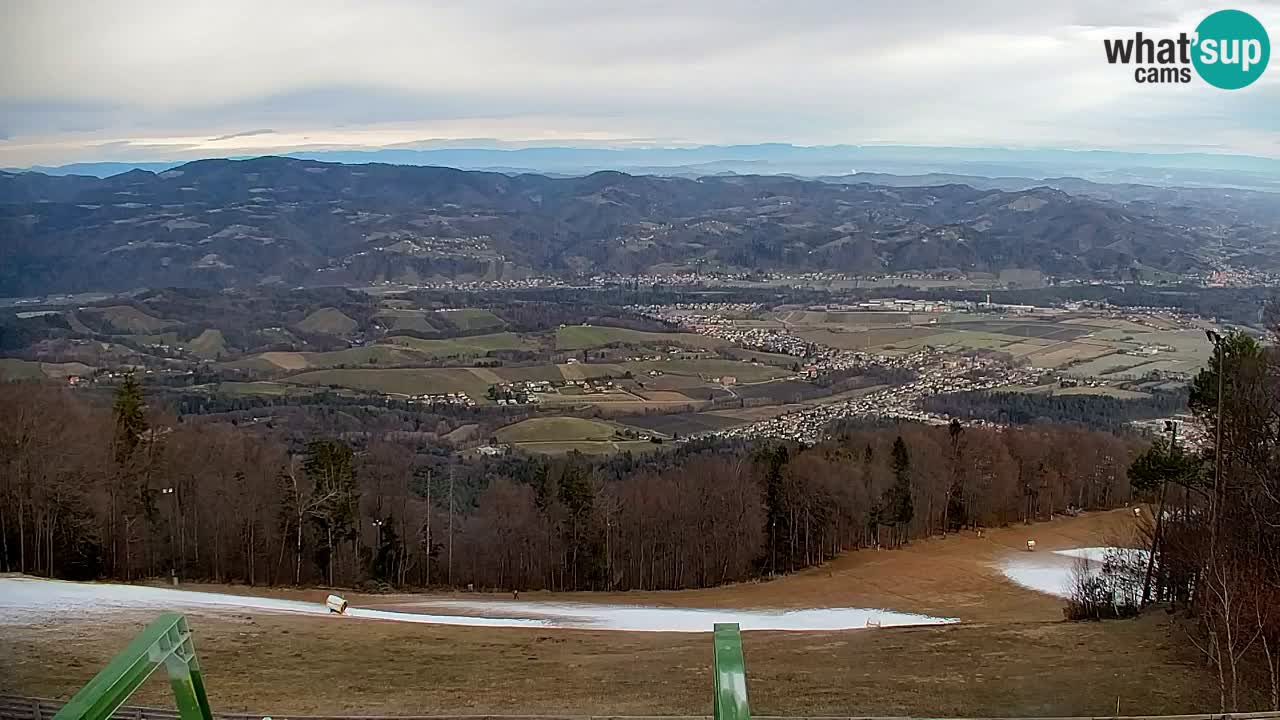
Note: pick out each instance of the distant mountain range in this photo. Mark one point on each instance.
(1185, 169)
(216, 223)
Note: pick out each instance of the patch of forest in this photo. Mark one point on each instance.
(128, 491)
(1096, 412)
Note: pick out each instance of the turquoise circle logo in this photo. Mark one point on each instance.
(1232, 49)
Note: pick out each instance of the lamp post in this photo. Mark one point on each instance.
(1216, 339)
(173, 520)
(1171, 427)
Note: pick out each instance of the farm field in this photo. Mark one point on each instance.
(258, 388)
(779, 391)
(864, 339)
(209, 344)
(585, 337)
(584, 371)
(16, 369)
(1080, 346)
(127, 319)
(554, 429)
(468, 319)
(684, 423)
(709, 368)
(399, 381)
(1010, 656)
(474, 345)
(399, 320)
(783, 361)
(590, 447)
(367, 355)
(328, 321)
(557, 435)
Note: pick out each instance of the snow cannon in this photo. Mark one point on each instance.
(336, 605)
(1031, 546)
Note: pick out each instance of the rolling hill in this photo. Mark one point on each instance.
(220, 223)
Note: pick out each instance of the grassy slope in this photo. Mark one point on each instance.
(131, 320)
(1012, 655)
(209, 344)
(15, 369)
(556, 429)
(474, 345)
(328, 321)
(581, 337)
(472, 319)
(402, 381)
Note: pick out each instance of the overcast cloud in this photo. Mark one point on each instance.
(135, 80)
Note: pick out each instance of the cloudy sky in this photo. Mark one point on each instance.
(139, 80)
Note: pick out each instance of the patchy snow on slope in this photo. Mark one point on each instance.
(31, 600)
(1052, 572)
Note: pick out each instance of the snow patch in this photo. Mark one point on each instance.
(1051, 572)
(31, 600)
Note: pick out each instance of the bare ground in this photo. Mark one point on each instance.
(1012, 655)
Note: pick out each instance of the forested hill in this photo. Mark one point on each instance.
(217, 223)
(83, 497)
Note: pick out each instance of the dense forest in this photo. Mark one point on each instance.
(130, 491)
(1096, 412)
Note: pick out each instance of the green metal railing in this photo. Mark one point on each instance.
(730, 674)
(166, 641)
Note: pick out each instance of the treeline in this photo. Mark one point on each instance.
(1097, 412)
(1216, 534)
(128, 492)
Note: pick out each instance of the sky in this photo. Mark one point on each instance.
(137, 80)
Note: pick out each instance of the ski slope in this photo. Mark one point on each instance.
(25, 601)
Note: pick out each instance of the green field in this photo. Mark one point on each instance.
(584, 371)
(531, 372)
(355, 356)
(209, 345)
(472, 319)
(15, 369)
(405, 320)
(709, 368)
(784, 361)
(584, 337)
(556, 429)
(401, 381)
(328, 321)
(591, 447)
(465, 346)
(867, 339)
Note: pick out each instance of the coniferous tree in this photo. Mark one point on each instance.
(129, 411)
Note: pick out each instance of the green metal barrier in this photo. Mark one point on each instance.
(730, 674)
(165, 641)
